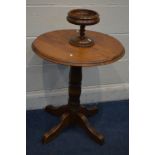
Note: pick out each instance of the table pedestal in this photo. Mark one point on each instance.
(73, 112)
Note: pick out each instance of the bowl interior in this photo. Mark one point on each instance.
(83, 14)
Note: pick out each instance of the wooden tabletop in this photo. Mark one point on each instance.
(54, 46)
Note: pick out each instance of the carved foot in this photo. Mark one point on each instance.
(55, 131)
(83, 121)
(57, 111)
(88, 111)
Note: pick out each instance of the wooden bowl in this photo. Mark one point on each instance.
(83, 17)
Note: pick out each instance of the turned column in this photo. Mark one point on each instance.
(75, 78)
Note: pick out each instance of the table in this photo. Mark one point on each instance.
(54, 47)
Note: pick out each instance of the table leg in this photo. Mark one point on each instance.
(55, 131)
(57, 111)
(83, 121)
(88, 111)
(73, 112)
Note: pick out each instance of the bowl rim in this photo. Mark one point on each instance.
(91, 14)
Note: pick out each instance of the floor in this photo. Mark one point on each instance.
(112, 120)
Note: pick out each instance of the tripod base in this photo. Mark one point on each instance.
(70, 114)
(73, 112)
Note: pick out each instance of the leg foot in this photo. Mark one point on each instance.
(55, 131)
(88, 111)
(57, 111)
(83, 121)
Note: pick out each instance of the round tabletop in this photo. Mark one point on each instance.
(54, 46)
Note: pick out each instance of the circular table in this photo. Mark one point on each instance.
(54, 46)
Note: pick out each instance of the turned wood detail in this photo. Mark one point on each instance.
(83, 18)
(75, 77)
(73, 112)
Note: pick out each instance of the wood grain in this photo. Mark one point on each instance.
(32, 59)
(53, 46)
(73, 112)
